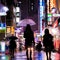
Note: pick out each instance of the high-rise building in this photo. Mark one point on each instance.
(29, 9)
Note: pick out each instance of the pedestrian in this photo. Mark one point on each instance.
(39, 46)
(48, 43)
(12, 47)
(29, 40)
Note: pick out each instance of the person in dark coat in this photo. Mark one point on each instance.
(12, 47)
(29, 39)
(48, 43)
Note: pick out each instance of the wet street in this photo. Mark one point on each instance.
(22, 56)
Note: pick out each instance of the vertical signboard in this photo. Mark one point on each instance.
(41, 10)
(2, 30)
(2, 27)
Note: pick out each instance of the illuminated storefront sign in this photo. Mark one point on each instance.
(41, 10)
(49, 17)
(10, 29)
(52, 4)
(56, 15)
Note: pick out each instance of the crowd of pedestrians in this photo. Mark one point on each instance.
(47, 42)
(29, 42)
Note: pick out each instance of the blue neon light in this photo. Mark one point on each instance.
(41, 2)
(2, 24)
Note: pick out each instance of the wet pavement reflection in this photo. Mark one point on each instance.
(37, 56)
(4, 57)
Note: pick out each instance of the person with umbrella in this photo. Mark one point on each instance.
(29, 40)
(12, 45)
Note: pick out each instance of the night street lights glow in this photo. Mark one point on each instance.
(3, 8)
(3, 13)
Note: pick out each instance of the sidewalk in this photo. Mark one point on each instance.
(37, 56)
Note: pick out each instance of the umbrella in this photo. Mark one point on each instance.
(12, 38)
(24, 22)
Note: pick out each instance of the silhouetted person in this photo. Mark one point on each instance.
(29, 39)
(38, 47)
(48, 43)
(12, 47)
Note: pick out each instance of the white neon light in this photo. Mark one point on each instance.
(56, 15)
(17, 9)
(3, 13)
